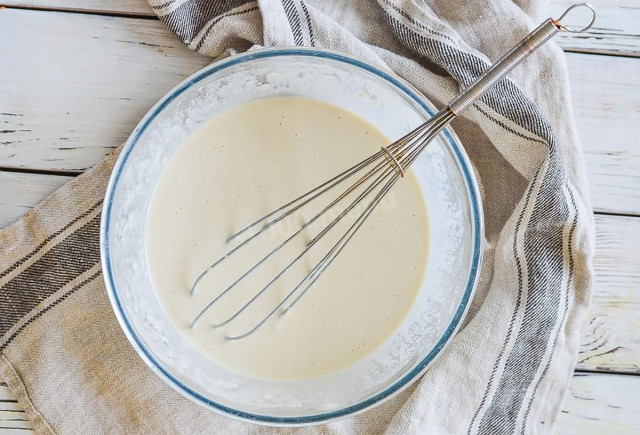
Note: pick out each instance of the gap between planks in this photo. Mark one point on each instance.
(20, 192)
(104, 13)
(12, 415)
(609, 338)
(125, 8)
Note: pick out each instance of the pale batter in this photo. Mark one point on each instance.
(240, 166)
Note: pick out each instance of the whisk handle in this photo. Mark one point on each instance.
(501, 68)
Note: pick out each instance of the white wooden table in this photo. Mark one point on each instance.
(77, 75)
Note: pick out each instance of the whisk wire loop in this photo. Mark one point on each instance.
(395, 159)
(354, 203)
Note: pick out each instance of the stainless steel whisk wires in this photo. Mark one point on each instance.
(399, 154)
(381, 171)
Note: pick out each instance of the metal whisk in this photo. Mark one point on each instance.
(380, 172)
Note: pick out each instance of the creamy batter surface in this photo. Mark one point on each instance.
(240, 166)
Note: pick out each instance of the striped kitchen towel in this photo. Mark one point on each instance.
(507, 370)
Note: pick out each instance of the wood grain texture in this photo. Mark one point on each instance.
(613, 33)
(76, 85)
(126, 7)
(610, 335)
(596, 404)
(606, 102)
(85, 75)
(599, 404)
(20, 192)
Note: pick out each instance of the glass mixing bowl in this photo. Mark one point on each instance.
(447, 183)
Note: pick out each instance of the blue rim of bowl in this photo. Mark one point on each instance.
(400, 384)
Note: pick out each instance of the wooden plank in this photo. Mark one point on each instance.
(615, 31)
(610, 335)
(11, 409)
(5, 395)
(606, 101)
(596, 404)
(599, 404)
(76, 85)
(16, 428)
(125, 7)
(20, 192)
